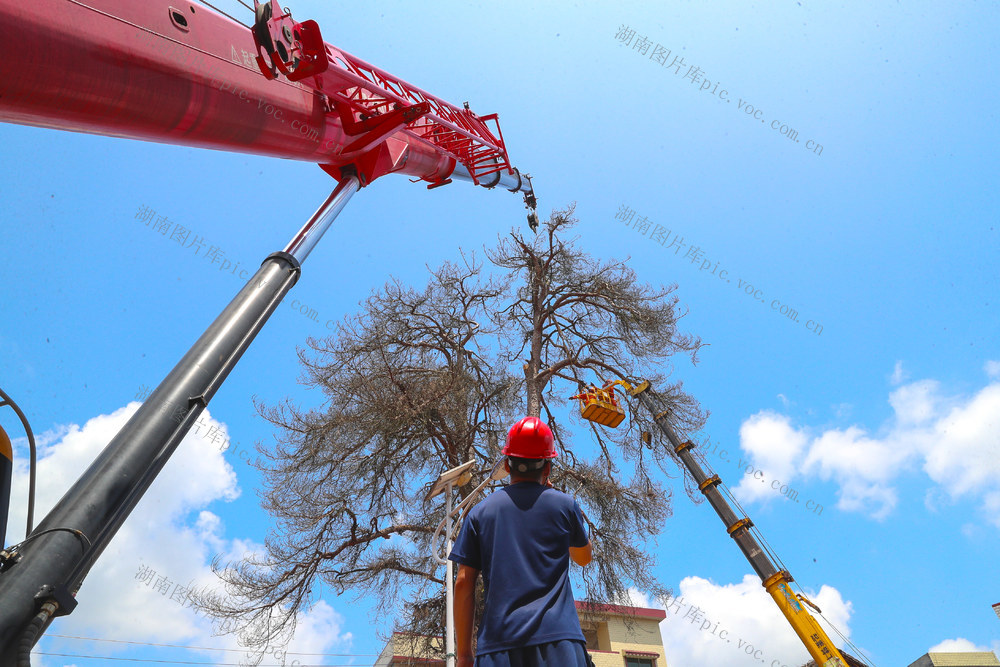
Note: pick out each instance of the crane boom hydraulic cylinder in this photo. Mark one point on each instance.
(60, 551)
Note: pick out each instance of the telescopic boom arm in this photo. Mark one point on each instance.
(775, 580)
(186, 74)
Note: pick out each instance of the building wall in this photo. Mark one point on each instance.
(612, 635)
(618, 636)
(408, 650)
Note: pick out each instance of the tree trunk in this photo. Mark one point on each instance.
(534, 391)
(533, 384)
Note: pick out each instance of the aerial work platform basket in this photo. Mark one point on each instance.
(600, 405)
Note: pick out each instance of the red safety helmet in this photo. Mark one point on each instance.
(530, 438)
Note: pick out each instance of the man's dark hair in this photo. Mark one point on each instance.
(527, 468)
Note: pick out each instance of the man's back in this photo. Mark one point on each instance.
(519, 538)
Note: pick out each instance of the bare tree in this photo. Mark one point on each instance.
(408, 393)
(578, 319)
(415, 384)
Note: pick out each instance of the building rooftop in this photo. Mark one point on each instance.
(618, 610)
(967, 659)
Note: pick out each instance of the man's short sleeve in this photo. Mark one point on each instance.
(466, 550)
(578, 530)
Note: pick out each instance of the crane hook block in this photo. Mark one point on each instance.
(600, 405)
(294, 49)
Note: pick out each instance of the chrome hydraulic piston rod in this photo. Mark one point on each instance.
(54, 559)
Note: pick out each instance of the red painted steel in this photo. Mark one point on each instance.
(178, 72)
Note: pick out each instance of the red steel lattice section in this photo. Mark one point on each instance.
(460, 133)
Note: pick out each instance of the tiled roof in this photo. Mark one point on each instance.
(970, 659)
(619, 610)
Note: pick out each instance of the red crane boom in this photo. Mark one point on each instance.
(182, 73)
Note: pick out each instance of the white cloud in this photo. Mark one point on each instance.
(639, 599)
(916, 403)
(172, 534)
(955, 440)
(738, 624)
(959, 645)
(774, 446)
(967, 458)
(992, 369)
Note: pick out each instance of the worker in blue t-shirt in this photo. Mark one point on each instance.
(521, 538)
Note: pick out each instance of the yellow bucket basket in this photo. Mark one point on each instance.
(600, 405)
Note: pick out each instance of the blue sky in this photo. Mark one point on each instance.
(887, 238)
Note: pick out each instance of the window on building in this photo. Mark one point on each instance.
(596, 634)
(631, 661)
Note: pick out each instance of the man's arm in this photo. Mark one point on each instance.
(582, 555)
(465, 609)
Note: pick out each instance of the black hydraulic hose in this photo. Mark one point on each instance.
(31, 633)
(7, 400)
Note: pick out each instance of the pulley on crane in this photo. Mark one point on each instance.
(294, 49)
